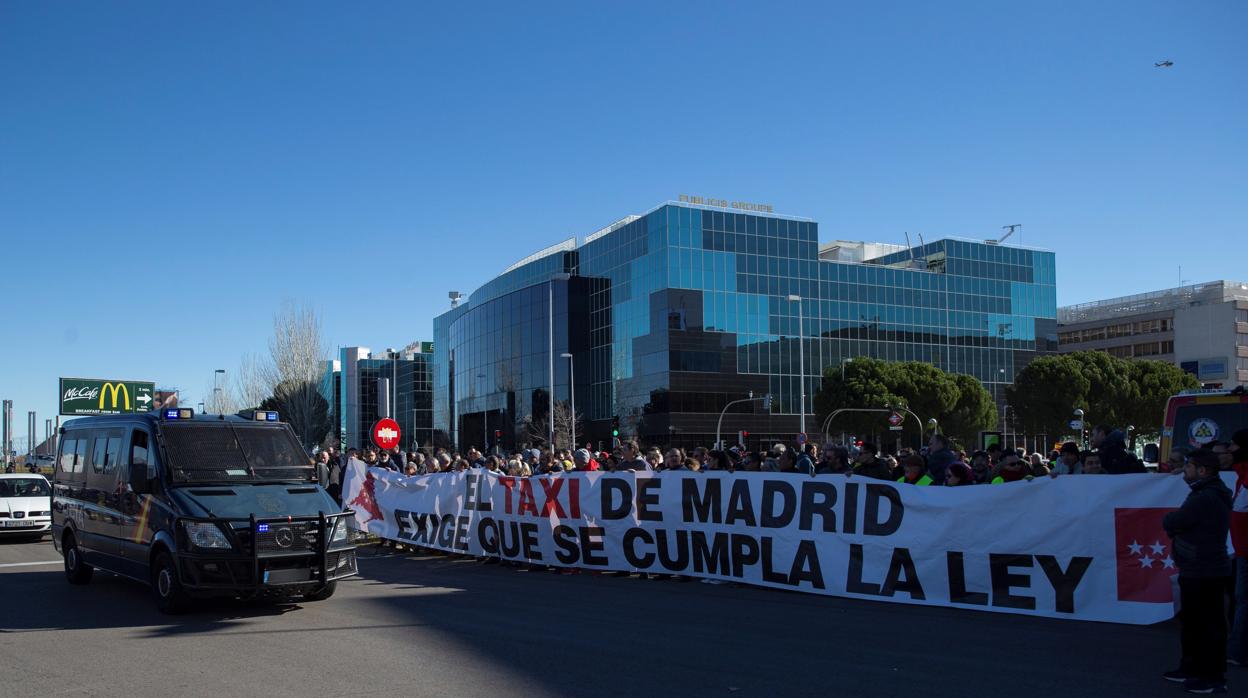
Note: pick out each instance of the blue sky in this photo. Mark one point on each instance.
(170, 173)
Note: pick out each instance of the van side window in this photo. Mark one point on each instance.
(138, 447)
(99, 454)
(116, 442)
(80, 454)
(87, 439)
(106, 451)
(66, 463)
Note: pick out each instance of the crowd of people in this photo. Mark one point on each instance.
(939, 463)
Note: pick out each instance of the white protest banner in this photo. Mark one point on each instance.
(1082, 547)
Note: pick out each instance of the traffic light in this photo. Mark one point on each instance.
(498, 433)
(615, 427)
(742, 437)
(767, 402)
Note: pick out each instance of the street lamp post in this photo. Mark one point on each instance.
(485, 424)
(550, 367)
(550, 354)
(801, 360)
(1082, 427)
(218, 379)
(393, 397)
(571, 398)
(848, 360)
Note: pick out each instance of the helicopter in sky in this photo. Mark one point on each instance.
(1164, 64)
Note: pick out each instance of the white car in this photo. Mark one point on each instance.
(25, 504)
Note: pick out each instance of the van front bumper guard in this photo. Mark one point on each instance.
(292, 554)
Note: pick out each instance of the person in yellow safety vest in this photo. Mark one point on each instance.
(914, 471)
(1011, 469)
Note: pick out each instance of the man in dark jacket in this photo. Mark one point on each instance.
(835, 460)
(868, 465)
(1198, 532)
(939, 458)
(1111, 443)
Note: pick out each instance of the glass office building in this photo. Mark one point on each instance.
(352, 385)
(666, 317)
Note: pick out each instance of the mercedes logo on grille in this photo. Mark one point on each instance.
(283, 537)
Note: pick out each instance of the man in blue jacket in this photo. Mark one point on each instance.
(1198, 530)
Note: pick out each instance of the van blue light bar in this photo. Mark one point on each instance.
(178, 413)
(261, 416)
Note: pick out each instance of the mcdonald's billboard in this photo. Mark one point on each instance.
(90, 396)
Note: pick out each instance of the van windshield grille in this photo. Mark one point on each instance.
(201, 452)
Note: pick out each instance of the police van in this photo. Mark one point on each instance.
(197, 505)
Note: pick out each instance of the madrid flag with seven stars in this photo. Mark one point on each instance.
(1145, 565)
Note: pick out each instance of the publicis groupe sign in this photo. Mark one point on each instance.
(93, 396)
(724, 203)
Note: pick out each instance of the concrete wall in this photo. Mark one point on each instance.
(1206, 333)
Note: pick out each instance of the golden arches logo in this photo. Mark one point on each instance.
(113, 389)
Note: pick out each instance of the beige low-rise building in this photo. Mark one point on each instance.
(1202, 328)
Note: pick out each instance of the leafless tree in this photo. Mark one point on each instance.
(536, 429)
(296, 348)
(218, 399)
(297, 352)
(251, 384)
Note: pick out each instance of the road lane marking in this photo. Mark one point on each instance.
(30, 564)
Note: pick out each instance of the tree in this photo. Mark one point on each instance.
(960, 404)
(867, 384)
(302, 406)
(536, 429)
(928, 391)
(250, 383)
(1152, 384)
(1109, 387)
(1045, 394)
(218, 399)
(296, 356)
(296, 350)
(1111, 391)
(973, 411)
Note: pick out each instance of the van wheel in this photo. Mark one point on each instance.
(171, 598)
(76, 571)
(323, 593)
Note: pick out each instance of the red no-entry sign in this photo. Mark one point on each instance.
(386, 433)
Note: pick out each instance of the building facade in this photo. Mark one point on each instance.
(1202, 328)
(361, 387)
(666, 317)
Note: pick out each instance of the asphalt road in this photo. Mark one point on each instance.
(427, 625)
